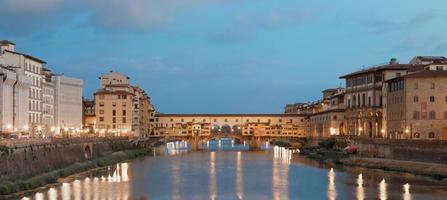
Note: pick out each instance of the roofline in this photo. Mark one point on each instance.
(28, 56)
(228, 115)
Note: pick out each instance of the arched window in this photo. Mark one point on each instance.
(417, 135)
(431, 135)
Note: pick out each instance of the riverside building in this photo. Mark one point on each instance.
(35, 101)
(417, 102)
(122, 108)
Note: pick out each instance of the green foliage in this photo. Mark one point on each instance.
(328, 144)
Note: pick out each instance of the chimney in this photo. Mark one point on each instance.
(7, 45)
(393, 61)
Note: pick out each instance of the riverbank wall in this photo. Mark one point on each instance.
(432, 151)
(28, 167)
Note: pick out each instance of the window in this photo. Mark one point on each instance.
(416, 115)
(432, 98)
(101, 97)
(171, 120)
(124, 104)
(432, 115)
(101, 119)
(114, 104)
(431, 135)
(124, 112)
(433, 86)
(113, 120)
(417, 135)
(416, 98)
(439, 68)
(101, 104)
(124, 120)
(113, 112)
(101, 112)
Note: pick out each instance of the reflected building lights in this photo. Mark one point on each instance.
(176, 179)
(407, 195)
(65, 191)
(38, 196)
(174, 148)
(77, 190)
(383, 195)
(213, 183)
(280, 173)
(332, 191)
(239, 178)
(52, 194)
(360, 188)
(87, 188)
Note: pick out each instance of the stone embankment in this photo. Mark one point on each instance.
(26, 167)
(434, 170)
(426, 158)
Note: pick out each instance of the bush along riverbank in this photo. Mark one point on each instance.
(326, 152)
(8, 188)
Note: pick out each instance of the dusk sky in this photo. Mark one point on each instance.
(223, 56)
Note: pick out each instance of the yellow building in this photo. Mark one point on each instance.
(417, 105)
(113, 113)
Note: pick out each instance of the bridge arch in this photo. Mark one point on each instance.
(226, 129)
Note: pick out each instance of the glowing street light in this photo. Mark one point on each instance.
(9, 126)
(25, 128)
(39, 128)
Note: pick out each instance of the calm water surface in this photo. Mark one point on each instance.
(217, 173)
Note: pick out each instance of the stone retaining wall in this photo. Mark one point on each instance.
(25, 162)
(412, 150)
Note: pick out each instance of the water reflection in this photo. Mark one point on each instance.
(360, 189)
(280, 172)
(116, 186)
(213, 188)
(239, 176)
(331, 191)
(382, 190)
(178, 147)
(236, 175)
(407, 195)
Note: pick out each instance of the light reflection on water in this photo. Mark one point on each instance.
(276, 174)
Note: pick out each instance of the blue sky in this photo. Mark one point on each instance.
(223, 56)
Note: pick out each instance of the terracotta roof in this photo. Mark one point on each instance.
(380, 68)
(431, 58)
(227, 115)
(427, 73)
(3, 42)
(27, 56)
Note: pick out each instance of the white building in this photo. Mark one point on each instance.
(67, 103)
(16, 89)
(48, 95)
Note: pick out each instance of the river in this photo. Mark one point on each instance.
(229, 171)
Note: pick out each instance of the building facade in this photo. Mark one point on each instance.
(68, 104)
(280, 125)
(135, 114)
(417, 106)
(48, 95)
(365, 94)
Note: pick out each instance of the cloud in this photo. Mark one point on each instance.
(245, 26)
(30, 16)
(19, 7)
(382, 26)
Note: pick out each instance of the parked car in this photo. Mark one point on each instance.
(351, 150)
